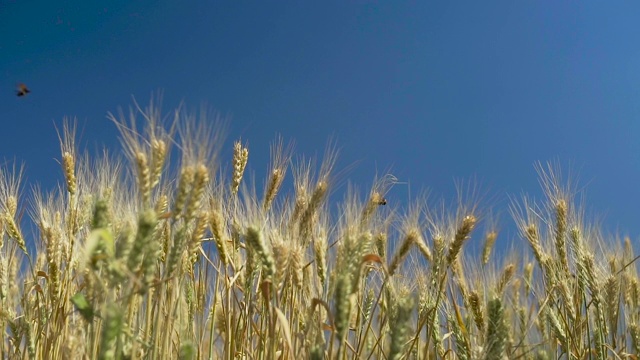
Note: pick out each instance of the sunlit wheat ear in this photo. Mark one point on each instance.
(240, 159)
(561, 208)
(68, 164)
(528, 277)
(532, 235)
(412, 236)
(575, 236)
(342, 303)
(424, 249)
(200, 182)
(462, 234)
(556, 326)
(67, 148)
(187, 177)
(612, 301)
(10, 179)
(280, 158)
(310, 213)
(14, 232)
(159, 151)
(628, 250)
(505, 277)
(161, 206)
(144, 176)
(281, 258)
(217, 225)
(254, 239)
(380, 242)
(343, 278)
(320, 249)
(587, 270)
(273, 186)
(4, 278)
(489, 240)
(477, 309)
(197, 236)
(53, 253)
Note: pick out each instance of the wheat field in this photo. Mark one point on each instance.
(170, 253)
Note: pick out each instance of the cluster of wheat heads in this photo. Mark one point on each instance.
(187, 261)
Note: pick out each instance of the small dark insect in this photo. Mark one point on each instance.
(382, 201)
(22, 90)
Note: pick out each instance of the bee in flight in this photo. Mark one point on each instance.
(22, 90)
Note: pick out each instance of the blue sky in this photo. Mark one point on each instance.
(434, 91)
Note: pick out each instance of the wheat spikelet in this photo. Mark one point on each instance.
(68, 165)
(197, 235)
(200, 181)
(162, 205)
(12, 205)
(507, 275)
(612, 301)
(560, 233)
(556, 326)
(342, 303)
(176, 251)
(158, 157)
(346, 274)
(306, 221)
(281, 255)
(254, 239)
(53, 258)
(438, 259)
(187, 177)
(4, 280)
(320, 253)
(534, 240)
(528, 276)
(240, 158)
(410, 238)
(294, 269)
(490, 239)
(273, 186)
(9, 194)
(462, 234)
(280, 157)
(424, 249)
(216, 222)
(477, 310)
(380, 242)
(67, 148)
(14, 232)
(144, 176)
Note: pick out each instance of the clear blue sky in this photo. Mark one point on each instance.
(434, 91)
